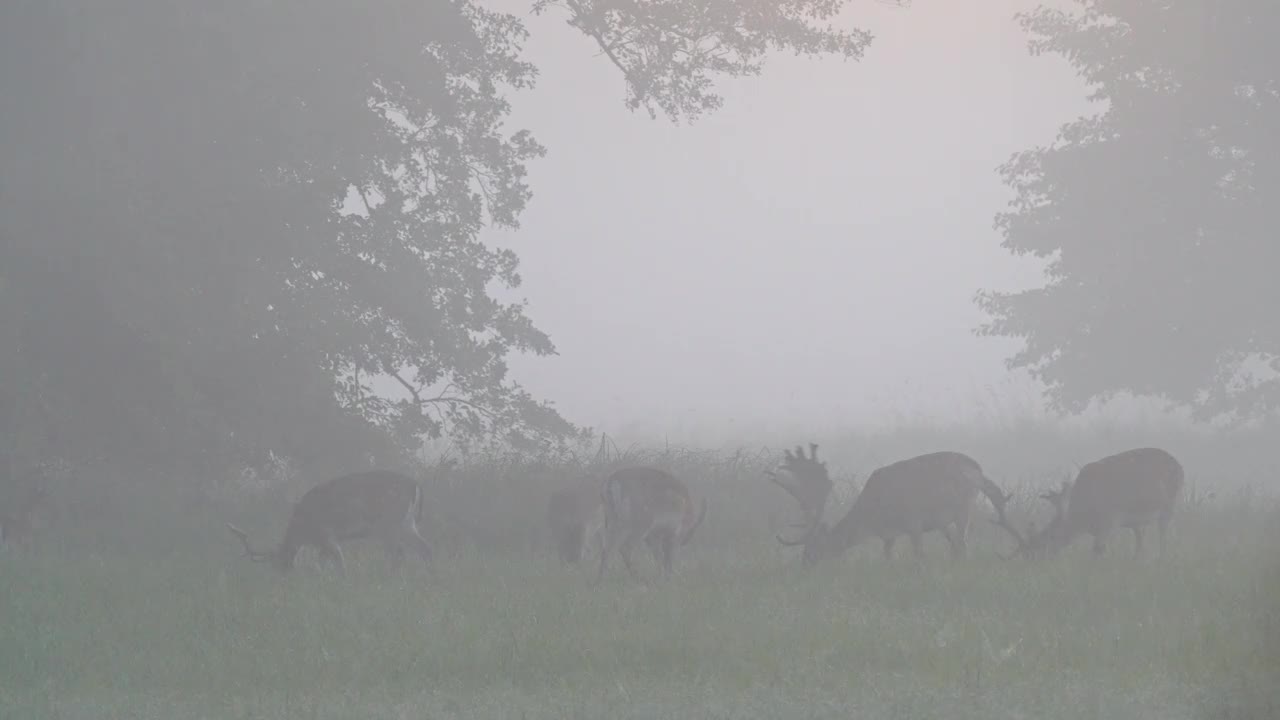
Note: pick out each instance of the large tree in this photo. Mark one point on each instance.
(220, 222)
(1158, 217)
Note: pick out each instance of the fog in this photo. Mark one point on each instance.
(806, 255)
(914, 378)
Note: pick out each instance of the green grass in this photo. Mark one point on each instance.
(741, 632)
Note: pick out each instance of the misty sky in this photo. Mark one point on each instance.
(806, 255)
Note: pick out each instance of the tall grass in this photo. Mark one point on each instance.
(134, 604)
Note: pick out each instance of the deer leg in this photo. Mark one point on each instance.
(956, 539)
(625, 551)
(888, 546)
(331, 552)
(961, 549)
(597, 541)
(577, 541)
(585, 542)
(1099, 544)
(1162, 525)
(420, 546)
(654, 542)
(605, 548)
(557, 540)
(668, 547)
(395, 553)
(564, 545)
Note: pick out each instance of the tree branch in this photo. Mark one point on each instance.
(444, 398)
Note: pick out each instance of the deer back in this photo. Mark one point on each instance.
(1133, 486)
(647, 496)
(926, 491)
(353, 506)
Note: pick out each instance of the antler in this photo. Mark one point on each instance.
(1034, 541)
(810, 520)
(791, 490)
(809, 486)
(1002, 520)
(254, 555)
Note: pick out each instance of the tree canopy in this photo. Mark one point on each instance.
(220, 221)
(1157, 217)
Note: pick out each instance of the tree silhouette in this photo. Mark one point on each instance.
(219, 222)
(1157, 217)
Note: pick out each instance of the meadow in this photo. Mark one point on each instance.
(134, 604)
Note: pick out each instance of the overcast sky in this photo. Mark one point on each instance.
(809, 253)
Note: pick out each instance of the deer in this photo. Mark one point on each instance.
(650, 505)
(20, 499)
(1131, 489)
(910, 497)
(380, 504)
(575, 515)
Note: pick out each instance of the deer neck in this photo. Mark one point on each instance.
(851, 530)
(283, 556)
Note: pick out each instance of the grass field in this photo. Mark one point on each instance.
(190, 631)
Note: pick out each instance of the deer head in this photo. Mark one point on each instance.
(806, 479)
(1037, 543)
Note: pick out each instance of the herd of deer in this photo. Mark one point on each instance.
(932, 492)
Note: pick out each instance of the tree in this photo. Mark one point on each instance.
(669, 52)
(1157, 217)
(220, 222)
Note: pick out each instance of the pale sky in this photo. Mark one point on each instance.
(806, 255)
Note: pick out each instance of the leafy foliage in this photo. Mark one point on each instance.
(670, 51)
(1156, 217)
(226, 227)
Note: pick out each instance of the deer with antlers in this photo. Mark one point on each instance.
(379, 504)
(1132, 489)
(649, 505)
(910, 497)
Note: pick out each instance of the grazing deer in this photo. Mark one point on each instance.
(910, 497)
(20, 498)
(379, 504)
(650, 505)
(1131, 489)
(575, 515)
